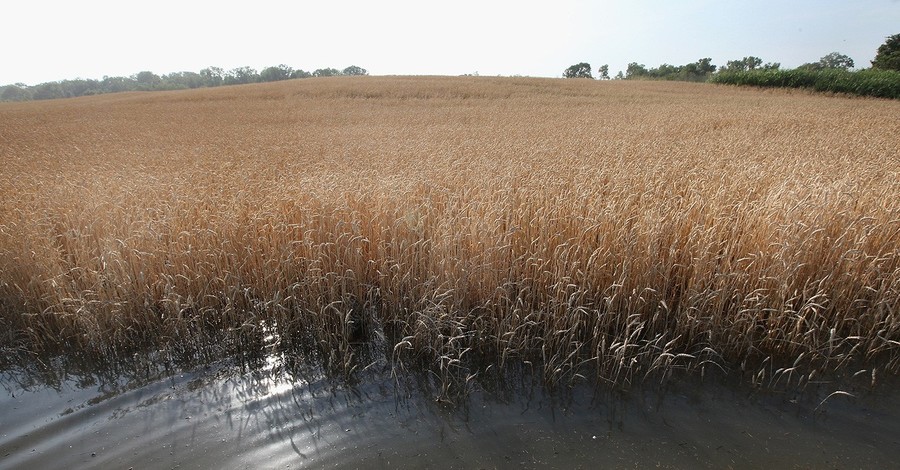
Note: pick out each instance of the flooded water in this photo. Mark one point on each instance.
(222, 417)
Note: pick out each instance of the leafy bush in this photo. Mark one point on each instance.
(870, 82)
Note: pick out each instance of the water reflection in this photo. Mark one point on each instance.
(282, 413)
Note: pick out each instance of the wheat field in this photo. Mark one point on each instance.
(605, 231)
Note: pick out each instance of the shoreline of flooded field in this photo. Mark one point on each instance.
(268, 418)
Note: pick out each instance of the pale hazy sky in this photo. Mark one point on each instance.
(55, 40)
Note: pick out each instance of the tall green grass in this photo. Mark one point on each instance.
(870, 82)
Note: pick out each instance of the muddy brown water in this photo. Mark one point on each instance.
(222, 417)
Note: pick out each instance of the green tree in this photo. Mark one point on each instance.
(79, 87)
(274, 74)
(752, 62)
(354, 70)
(742, 65)
(147, 81)
(665, 71)
(241, 75)
(888, 56)
(733, 66)
(603, 71)
(47, 91)
(635, 70)
(17, 92)
(300, 73)
(212, 76)
(182, 80)
(329, 72)
(836, 60)
(705, 66)
(116, 84)
(579, 70)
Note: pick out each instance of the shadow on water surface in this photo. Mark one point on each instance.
(276, 412)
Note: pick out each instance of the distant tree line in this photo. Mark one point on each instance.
(694, 72)
(832, 73)
(887, 58)
(149, 81)
(699, 71)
